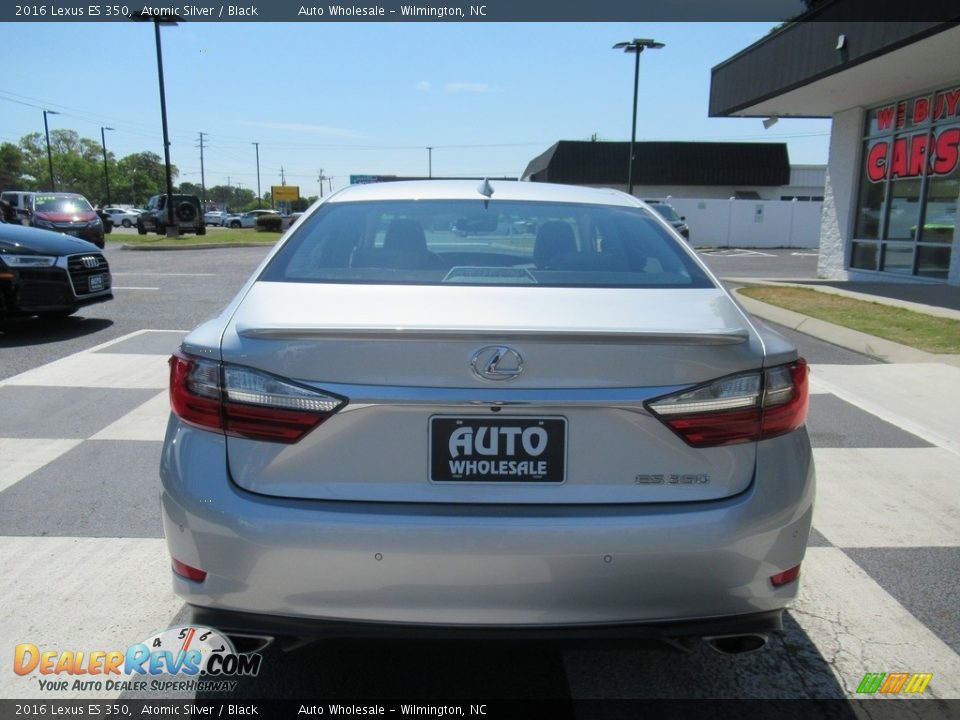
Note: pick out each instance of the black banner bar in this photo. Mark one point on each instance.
(482, 10)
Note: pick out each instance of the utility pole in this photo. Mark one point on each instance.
(283, 179)
(46, 130)
(106, 172)
(257, 146)
(429, 162)
(320, 178)
(203, 184)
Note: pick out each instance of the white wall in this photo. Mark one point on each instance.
(717, 192)
(751, 223)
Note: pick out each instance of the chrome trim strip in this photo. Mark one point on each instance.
(366, 395)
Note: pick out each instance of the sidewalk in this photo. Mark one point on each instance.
(937, 300)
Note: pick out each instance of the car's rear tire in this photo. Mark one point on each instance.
(161, 229)
(235, 224)
(141, 230)
(202, 230)
(126, 223)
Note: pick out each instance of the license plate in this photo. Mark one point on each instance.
(96, 283)
(498, 450)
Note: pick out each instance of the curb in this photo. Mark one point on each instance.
(860, 342)
(204, 246)
(934, 310)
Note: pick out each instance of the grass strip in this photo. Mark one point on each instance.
(918, 330)
(213, 237)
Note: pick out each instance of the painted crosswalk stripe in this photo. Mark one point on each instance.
(90, 594)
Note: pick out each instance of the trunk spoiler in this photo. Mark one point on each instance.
(653, 337)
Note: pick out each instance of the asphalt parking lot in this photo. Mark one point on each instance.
(84, 562)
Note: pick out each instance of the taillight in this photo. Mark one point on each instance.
(244, 402)
(740, 408)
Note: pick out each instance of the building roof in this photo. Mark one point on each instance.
(824, 62)
(662, 163)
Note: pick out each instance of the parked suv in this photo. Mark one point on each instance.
(666, 211)
(186, 213)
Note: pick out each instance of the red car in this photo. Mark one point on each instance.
(67, 213)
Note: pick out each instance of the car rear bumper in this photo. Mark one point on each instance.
(486, 566)
(246, 624)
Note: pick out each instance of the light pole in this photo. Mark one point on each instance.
(429, 162)
(159, 19)
(106, 172)
(257, 145)
(46, 131)
(637, 45)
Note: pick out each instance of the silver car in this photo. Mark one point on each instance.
(557, 422)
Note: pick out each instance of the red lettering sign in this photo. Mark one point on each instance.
(908, 156)
(921, 110)
(877, 162)
(918, 154)
(901, 114)
(885, 118)
(947, 152)
(947, 103)
(898, 163)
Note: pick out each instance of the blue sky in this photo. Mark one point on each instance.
(367, 98)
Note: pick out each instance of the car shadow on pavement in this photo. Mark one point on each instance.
(21, 332)
(395, 669)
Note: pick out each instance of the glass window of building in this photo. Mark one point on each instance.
(906, 216)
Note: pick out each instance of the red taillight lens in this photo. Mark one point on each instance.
(787, 576)
(243, 402)
(786, 398)
(188, 571)
(739, 408)
(195, 390)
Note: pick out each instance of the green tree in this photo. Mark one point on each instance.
(77, 162)
(12, 168)
(234, 198)
(138, 176)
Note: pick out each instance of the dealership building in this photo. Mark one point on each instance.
(892, 90)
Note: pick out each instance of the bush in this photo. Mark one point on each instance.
(269, 223)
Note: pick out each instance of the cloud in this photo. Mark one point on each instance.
(304, 127)
(424, 86)
(472, 87)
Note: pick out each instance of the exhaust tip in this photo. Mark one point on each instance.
(737, 644)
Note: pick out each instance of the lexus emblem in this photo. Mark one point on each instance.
(89, 261)
(497, 362)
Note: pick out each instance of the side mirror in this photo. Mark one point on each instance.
(683, 217)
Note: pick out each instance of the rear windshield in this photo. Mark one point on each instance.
(433, 242)
(60, 204)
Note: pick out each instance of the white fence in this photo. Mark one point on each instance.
(751, 223)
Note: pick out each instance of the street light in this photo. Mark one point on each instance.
(257, 145)
(46, 131)
(637, 45)
(106, 172)
(159, 19)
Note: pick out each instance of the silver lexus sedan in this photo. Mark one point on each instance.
(515, 409)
